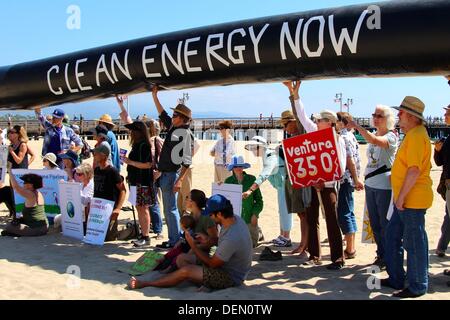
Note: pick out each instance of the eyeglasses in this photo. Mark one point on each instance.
(377, 116)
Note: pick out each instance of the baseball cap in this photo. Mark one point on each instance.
(216, 203)
(103, 148)
(58, 113)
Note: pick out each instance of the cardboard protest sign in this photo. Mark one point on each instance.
(367, 233)
(232, 192)
(312, 158)
(71, 209)
(146, 263)
(99, 215)
(3, 162)
(50, 190)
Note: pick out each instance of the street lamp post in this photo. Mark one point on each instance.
(349, 103)
(338, 98)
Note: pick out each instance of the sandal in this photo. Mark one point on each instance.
(349, 255)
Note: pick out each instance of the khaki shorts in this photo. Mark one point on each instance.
(216, 278)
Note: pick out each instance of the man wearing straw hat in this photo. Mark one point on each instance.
(107, 121)
(174, 162)
(412, 196)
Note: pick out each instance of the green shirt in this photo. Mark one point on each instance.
(203, 224)
(253, 205)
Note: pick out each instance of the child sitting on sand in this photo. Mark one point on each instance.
(168, 263)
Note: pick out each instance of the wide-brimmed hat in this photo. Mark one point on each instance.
(106, 118)
(256, 141)
(72, 156)
(182, 109)
(447, 107)
(286, 116)
(238, 162)
(50, 157)
(137, 126)
(34, 179)
(413, 106)
(327, 114)
(225, 124)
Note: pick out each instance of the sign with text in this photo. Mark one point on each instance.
(312, 158)
(98, 222)
(3, 162)
(232, 192)
(71, 209)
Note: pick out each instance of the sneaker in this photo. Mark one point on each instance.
(283, 242)
(406, 293)
(386, 283)
(144, 241)
(272, 256)
(276, 240)
(165, 245)
(159, 236)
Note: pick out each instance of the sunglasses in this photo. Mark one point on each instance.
(377, 116)
(323, 120)
(175, 115)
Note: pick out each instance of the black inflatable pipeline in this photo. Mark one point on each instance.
(394, 38)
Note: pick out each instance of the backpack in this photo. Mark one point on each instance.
(85, 150)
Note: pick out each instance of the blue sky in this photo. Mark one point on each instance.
(37, 29)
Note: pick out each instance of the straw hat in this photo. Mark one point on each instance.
(51, 157)
(413, 106)
(286, 116)
(106, 118)
(182, 109)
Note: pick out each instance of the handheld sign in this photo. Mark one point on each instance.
(97, 226)
(312, 158)
(71, 209)
(232, 192)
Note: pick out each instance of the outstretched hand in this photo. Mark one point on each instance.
(293, 87)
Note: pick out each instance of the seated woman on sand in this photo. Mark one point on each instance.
(34, 221)
(205, 229)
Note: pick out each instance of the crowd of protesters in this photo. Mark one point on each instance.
(213, 247)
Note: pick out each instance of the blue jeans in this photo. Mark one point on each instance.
(171, 214)
(445, 233)
(406, 230)
(346, 216)
(377, 202)
(155, 212)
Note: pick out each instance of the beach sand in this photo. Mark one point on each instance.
(38, 268)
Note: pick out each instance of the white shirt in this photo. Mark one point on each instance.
(224, 152)
(87, 193)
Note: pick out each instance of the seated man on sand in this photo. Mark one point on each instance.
(231, 262)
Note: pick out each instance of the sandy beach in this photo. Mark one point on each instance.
(36, 268)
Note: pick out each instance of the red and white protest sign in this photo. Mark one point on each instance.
(312, 158)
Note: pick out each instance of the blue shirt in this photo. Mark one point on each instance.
(115, 154)
(65, 135)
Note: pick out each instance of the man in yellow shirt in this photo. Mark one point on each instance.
(413, 195)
